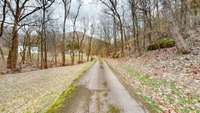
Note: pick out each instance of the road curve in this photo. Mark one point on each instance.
(99, 91)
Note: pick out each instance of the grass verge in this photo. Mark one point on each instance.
(68, 93)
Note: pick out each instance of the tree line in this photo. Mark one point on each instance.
(123, 27)
(133, 25)
(34, 19)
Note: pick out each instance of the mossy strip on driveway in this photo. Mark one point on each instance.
(68, 93)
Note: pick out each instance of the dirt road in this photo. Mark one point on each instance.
(99, 91)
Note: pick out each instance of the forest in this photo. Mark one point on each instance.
(123, 28)
(155, 41)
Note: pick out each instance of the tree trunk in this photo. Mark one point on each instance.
(174, 29)
(63, 41)
(24, 50)
(122, 39)
(45, 55)
(72, 57)
(43, 39)
(89, 49)
(2, 29)
(79, 56)
(41, 53)
(29, 54)
(13, 52)
(2, 54)
(180, 43)
(115, 35)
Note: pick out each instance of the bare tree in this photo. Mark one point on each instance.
(106, 34)
(26, 46)
(2, 26)
(74, 33)
(67, 6)
(19, 11)
(112, 5)
(55, 46)
(45, 5)
(80, 40)
(174, 28)
(90, 42)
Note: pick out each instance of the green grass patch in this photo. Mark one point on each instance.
(152, 105)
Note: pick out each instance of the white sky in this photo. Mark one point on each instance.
(90, 8)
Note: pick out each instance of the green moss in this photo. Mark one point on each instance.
(113, 109)
(162, 43)
(60, 101)
(67, 94)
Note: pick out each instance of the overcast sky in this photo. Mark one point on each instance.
(89, 8)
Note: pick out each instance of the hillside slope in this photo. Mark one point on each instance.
(169, 79)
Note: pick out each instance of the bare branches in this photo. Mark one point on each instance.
(36, 9)
(3, 20)
(10, 7)
(112, 5)
(67, 6)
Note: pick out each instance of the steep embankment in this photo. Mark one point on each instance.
(165, 80)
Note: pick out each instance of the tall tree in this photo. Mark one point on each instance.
(20, 10)
(45, 5)
(2, 27)
(74, 32)
(113, 6)
(167, 11)
(80, 39)
(67, 6)
(90, 42)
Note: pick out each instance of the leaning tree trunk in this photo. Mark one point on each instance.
(180, 42)
(174, 29)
